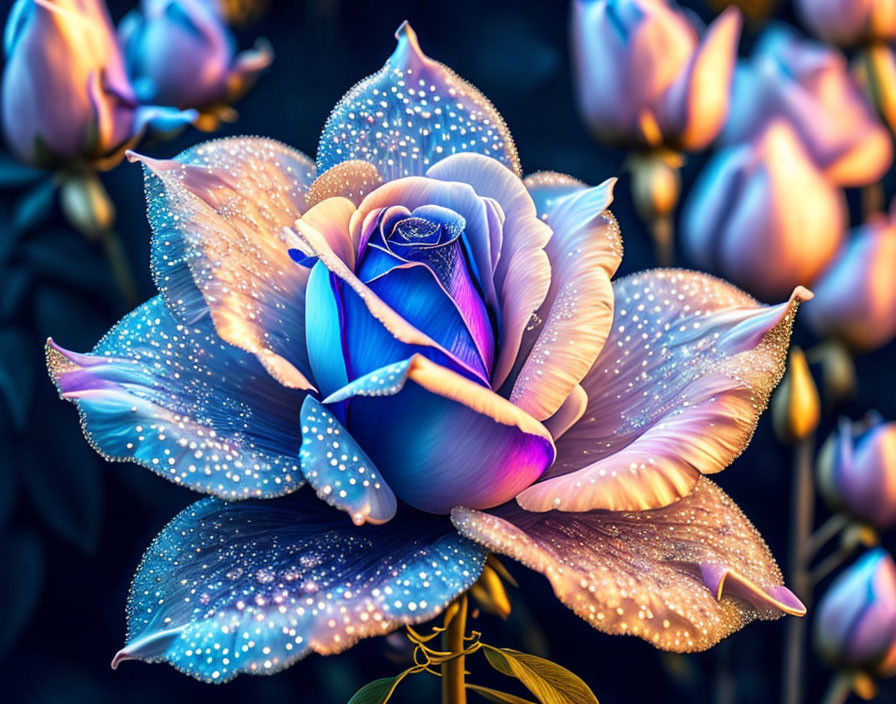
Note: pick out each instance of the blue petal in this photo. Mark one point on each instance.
(229, 588)
(340, 472)
(443, 441)
(179, 401)
(411, 114)
(323, 330)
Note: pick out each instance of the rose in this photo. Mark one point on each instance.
(644, 77)
(407, 325)
(809, 84)
(850, 22)
(855, 301)
(66, 96)
(763, 214)
(857, 471)
(855, 625)
(181, 53)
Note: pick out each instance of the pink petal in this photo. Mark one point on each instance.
(681, 577)
(676, 391)
(585, 252)
(522, 274)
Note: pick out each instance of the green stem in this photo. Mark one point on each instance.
(829, 530)
(830, 563)
(802, 505)
(121, 270)
(838, 690)
(453, 685)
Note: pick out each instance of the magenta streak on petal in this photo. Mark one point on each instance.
(722, 579)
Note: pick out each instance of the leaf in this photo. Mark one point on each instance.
(376, 692)
(550, 683)
(35, 206)
(14, 173)
(493, 695)
(17, 373)
(21, 579)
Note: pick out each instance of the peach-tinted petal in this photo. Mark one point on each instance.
(350, 179)
(681, 577)
(573, 324)
(676, 391)
(697, 103)
(217, 212)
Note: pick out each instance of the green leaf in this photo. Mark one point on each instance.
(14, 173)
(493, 695)
(379, 691)
(550, 683)
(34, 206)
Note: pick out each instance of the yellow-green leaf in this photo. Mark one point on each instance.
(550, 683)
(376, 692)
(493, 695)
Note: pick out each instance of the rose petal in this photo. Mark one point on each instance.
(178, 400)
(217, 212)
(696, 104)
(585, 252)
(409, 115)
(676, 391)
(681, 577)
(441, 440)
(350, 179)
(339, 470)
(522, 273)
(252, 587)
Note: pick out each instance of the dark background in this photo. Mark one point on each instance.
(72, 528)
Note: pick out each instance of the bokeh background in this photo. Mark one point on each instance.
(73, 527)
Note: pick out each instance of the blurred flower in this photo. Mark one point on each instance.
(855, 298)
(875, 70)
(762, 214)
(809, 84)
(181, 53)
(397, 276)
(857, 470)
(644, 77)
(850, 22)
(66, 96)
(855, 622)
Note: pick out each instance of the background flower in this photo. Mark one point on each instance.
(181, 53)
(855, 623)
(644, 76)
(857, 471)
(849, 22)
(763, 214)
(809, 84)
(855, 301)
(66, 95)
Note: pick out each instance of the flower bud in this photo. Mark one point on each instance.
(855, 623)
(849, 22)
(855, 299)
(857, 471)
(796, 407)
(762, 215)
(809, 84)
(181, 53)
(645, 77)
(66, 95)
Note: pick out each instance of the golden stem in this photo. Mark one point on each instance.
(453, 685)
